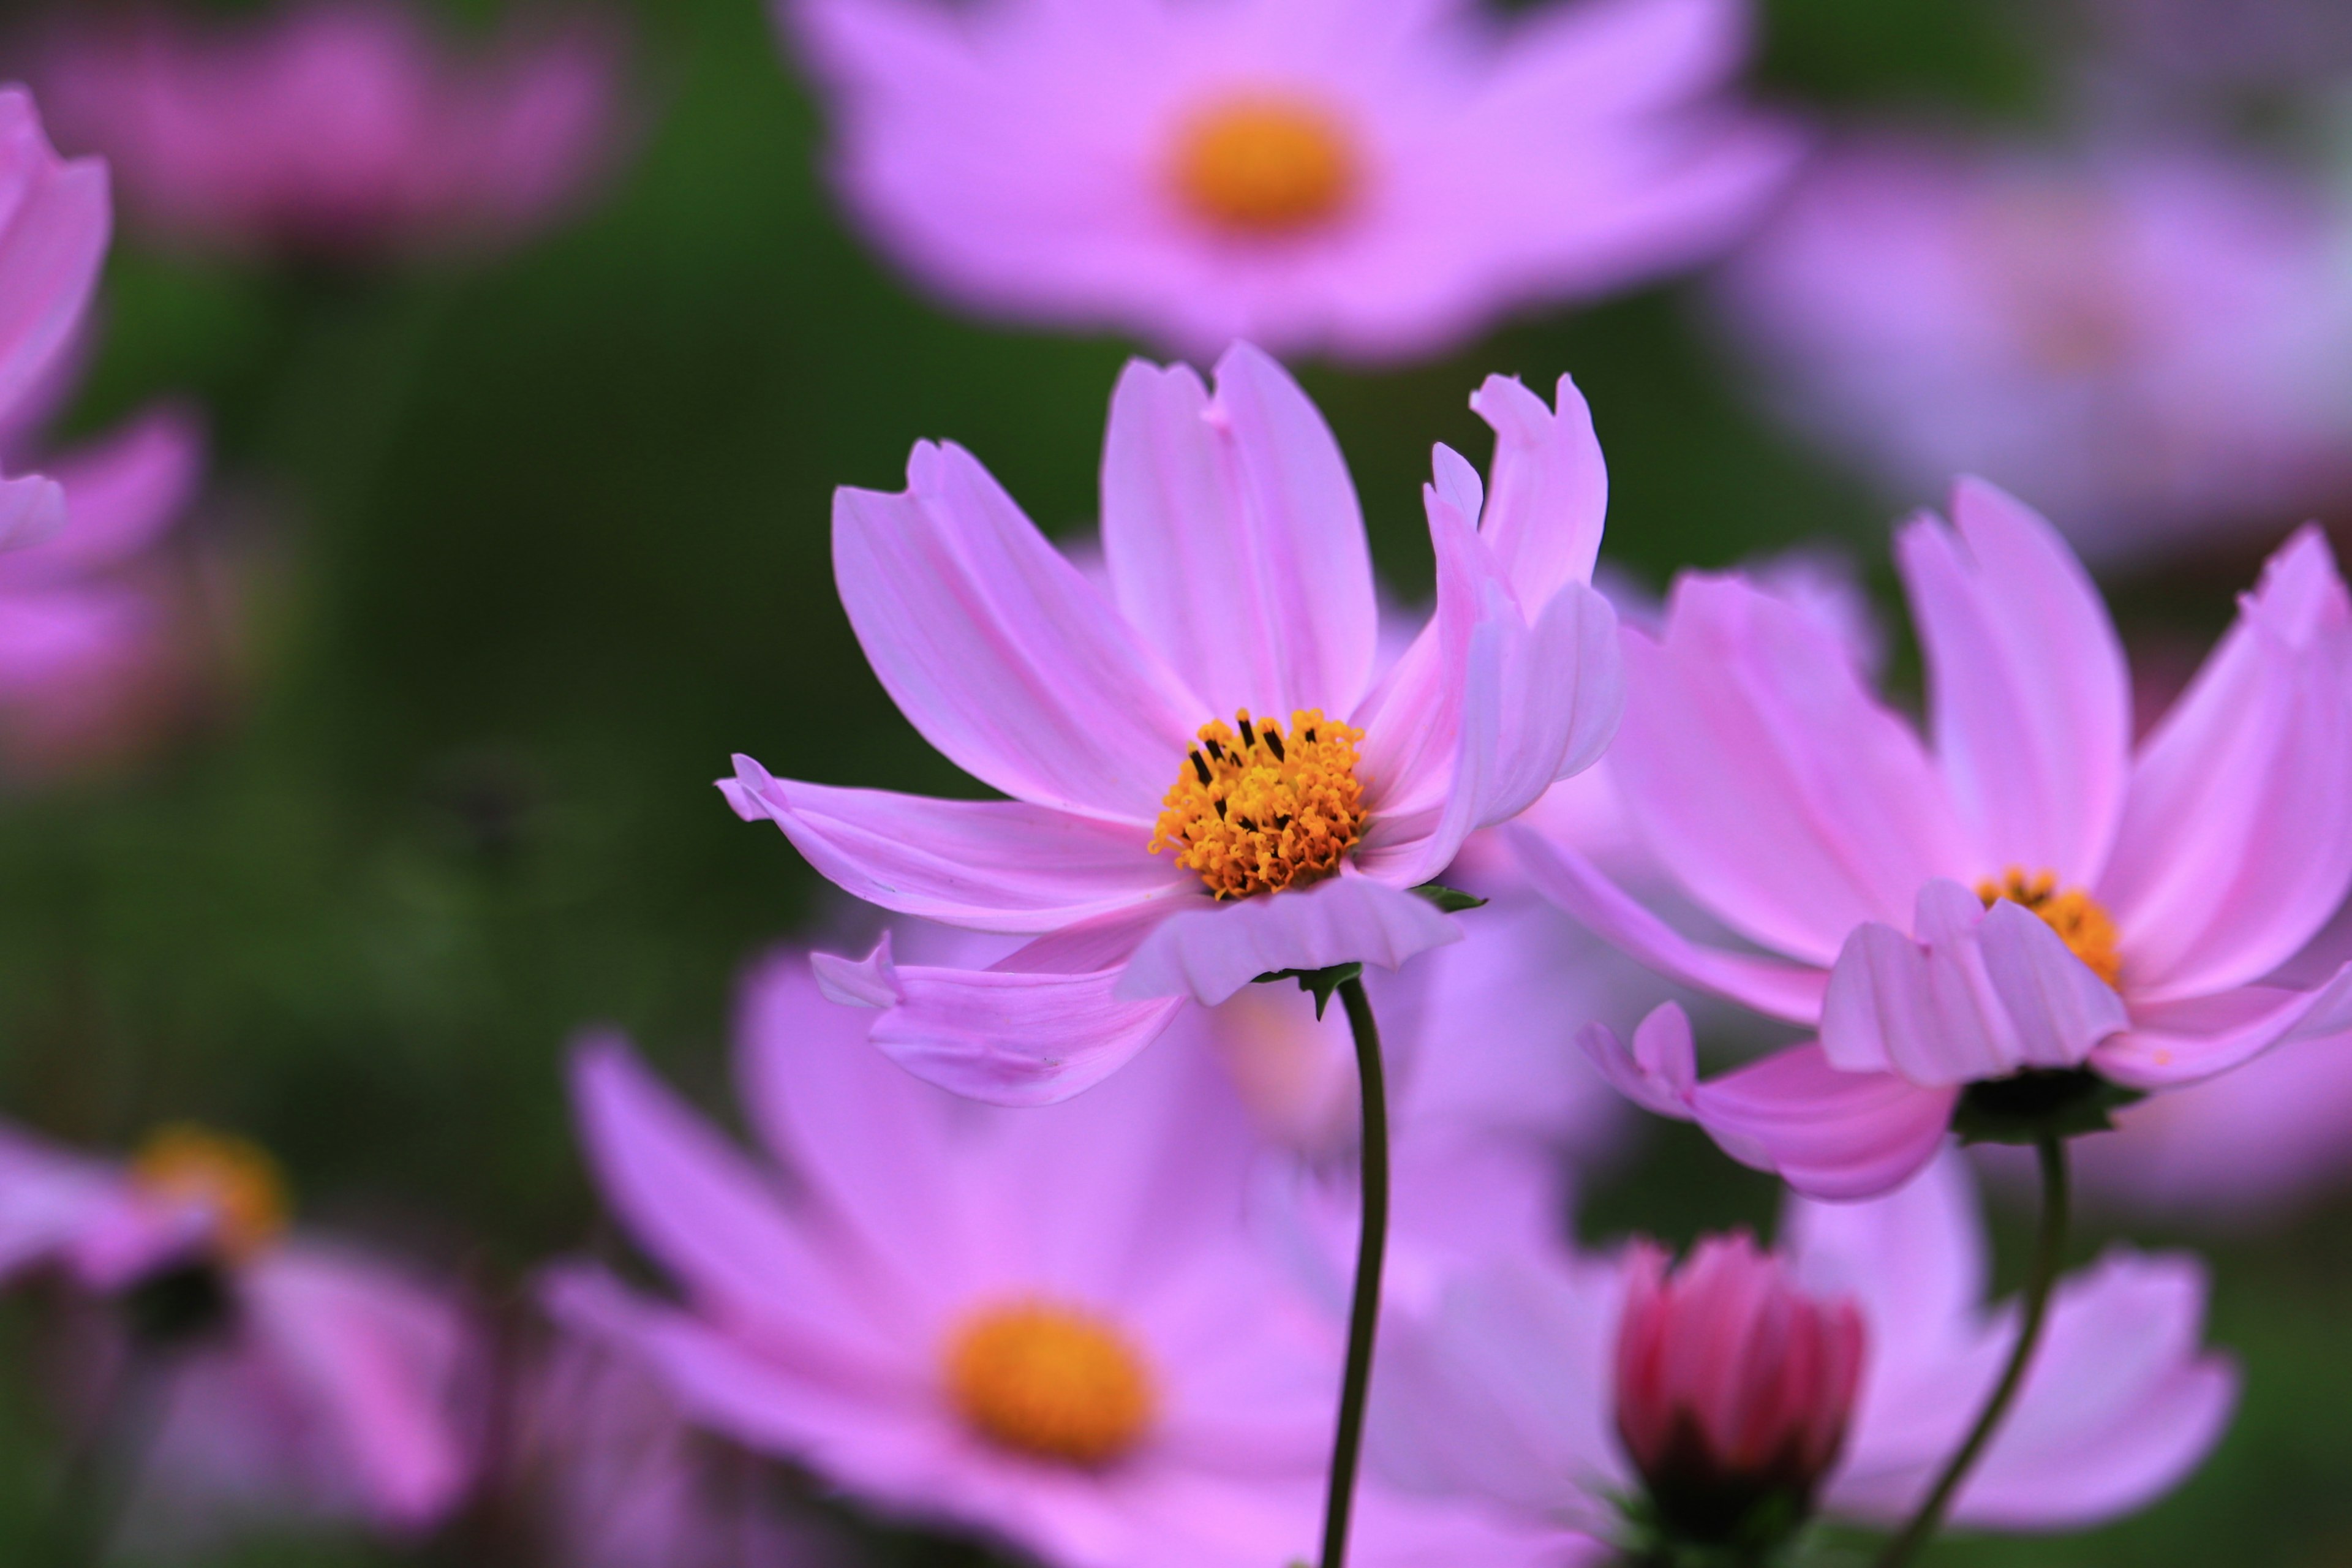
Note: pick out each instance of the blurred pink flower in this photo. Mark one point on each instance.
(930, 1311)
(54, 219)
(1504, 1390)
(342, 129)
(1240, 583)
(299, 1376)
(1376, 180)
(2156, 343)
(2034, 896)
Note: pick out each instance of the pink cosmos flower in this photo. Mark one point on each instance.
(338, 127)
(1157, 857)
(302, 1377)
(1371, 181)
(2155, 342)
(2032, 898)
(1512, 1388)
(54, 219)
(928, 1311)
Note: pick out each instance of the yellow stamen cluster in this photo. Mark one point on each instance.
(1264, 809)
(1264, 165)
(1052, 1382)
(237, 1179)
(2088, 931)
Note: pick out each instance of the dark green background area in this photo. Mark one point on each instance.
(535, 546)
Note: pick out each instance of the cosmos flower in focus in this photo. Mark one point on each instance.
(301, 1377)
(1726, 1396)
(1211, 779)
(2153, 342)
(1370, 180)
(2034, 910)
(934, 1316)
(54, 221)
(337, 129)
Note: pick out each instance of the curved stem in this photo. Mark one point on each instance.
(2047, 1255)
(1372, 1247)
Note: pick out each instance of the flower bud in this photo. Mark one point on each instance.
(1734, 1388)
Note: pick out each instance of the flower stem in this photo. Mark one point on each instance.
(1372, 1247)
(2048, 1249)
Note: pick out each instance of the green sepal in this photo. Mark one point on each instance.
(1452, 901)
(1317, 983)
(2041, 1103)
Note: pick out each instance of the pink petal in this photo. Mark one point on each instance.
(1210, 953)
(1660, 1073)
(1916, 1260)
(999, 652)
(1758, 770)
(2030, 700)
(1233, 537)
(1568, 879)
(1551, 493)
(1976, 994)
(123, 493)
(2182, 1042)
(2236, 843)
(32, 509)
(1006, 1037)
(986, 865)
(53, 220)
(1829, 1134)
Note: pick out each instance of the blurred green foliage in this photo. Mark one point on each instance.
(533, 546)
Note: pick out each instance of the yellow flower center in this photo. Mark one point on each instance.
(237, 1179)
(2087, 928)
(1264, 165)
(1265, 810)
(1053, 1382)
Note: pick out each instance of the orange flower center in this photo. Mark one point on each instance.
(1265, 810)
(1052, 1382)
(236, 1179)
(1264, 165)
(2086, 926)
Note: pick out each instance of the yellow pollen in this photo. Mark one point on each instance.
(2088, 931)
(239, 1180)
(1264, 165)
(1265, 809)
(1052, 1382)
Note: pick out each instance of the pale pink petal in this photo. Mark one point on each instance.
(1767, 781)
(1550, 492)
(1008, 1038)
(1660, 1073)
(123, 493)
(1233, 540)
(1212, 953)
(54, 221)
(1829, 1134)
(999, 652)
(2182, 1042)
(32, 509)
(1975, 993)
(986, 865)
(391, 1373)
(2027, 686)
(2236, 843)
(1916, 1260)
(1565, 877)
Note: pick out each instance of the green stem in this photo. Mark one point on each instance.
(2048, 1251)
(1371, 1247)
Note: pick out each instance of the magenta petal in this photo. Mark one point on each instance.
(2236, 844)
(1767, 781)
(1660, 1073)
(53, 220)
(123, 493)
(986, 865)
(1551, 493)
(1008, 1038)
(32, 509)
(1570, 881)
(1975, 993)
(2030, 700)
(1233, 539)
(999, 650)
(1829, 1134)
(2182, 1042)
(1210, 953)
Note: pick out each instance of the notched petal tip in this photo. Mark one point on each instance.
(1660, 1072)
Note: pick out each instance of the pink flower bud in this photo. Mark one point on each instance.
(1733, 1389)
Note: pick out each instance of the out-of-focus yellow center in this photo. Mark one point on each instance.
(1049, 1381)
(2087, 928)
(236, 1178)
(1265, 165)
(1264, 809)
